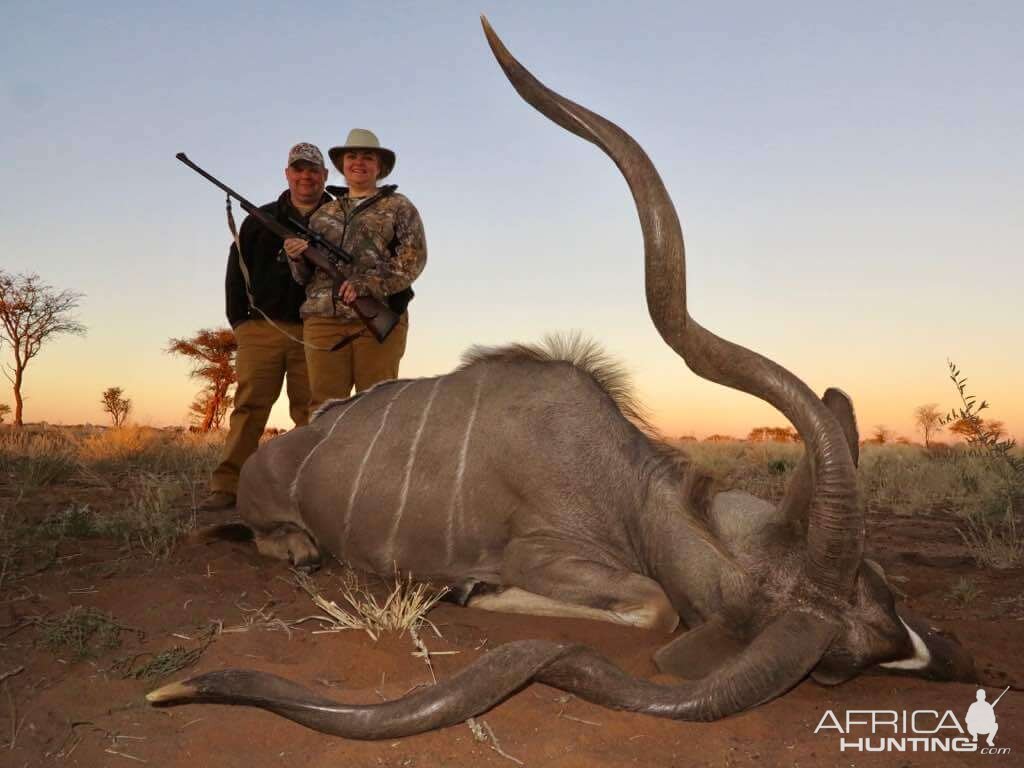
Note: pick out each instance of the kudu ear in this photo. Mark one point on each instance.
(699, 652)
(938, 655)
(798, 495)
(842, 408)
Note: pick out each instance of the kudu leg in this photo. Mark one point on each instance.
(265, 503)
(552, 578)
(291, 544)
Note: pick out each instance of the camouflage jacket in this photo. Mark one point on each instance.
(383, 233)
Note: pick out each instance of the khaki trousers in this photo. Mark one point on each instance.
(362, 363)
(264, 357)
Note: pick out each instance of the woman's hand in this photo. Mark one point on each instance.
(294, 247)
(347, 293)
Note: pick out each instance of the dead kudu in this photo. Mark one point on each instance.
(523, 472)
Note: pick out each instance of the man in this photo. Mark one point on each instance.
(384, 233)
(263, 309)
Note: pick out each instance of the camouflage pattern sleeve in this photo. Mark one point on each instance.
(302, 270)
(405, 257)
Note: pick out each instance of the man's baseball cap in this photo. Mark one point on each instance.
(305, 152)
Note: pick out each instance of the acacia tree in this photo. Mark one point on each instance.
(996, 429)
(32, 313)
(202, 405)
(212, 352)
(962, 428)
(116, 405)
(967, 429)
(928, 420)
(881, 435)
(773, 435)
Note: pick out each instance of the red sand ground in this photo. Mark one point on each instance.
(85, 714)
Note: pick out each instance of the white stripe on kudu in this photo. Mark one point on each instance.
(302, 465)
(461, 471)
(366, 459)
(408, 471)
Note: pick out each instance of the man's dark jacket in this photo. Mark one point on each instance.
(274, 291)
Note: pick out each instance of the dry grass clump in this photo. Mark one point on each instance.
(762, 469)
(994, 541)
(35, 457)
(265, 618)
(964, 591)
(144, 449)
(83, 631)
(75, 521)
(13, 544)
(149, 520)
(158, 471)
(117, 445)
(31, 459)
(166, 662)
(991, 531)
(404, 609)
(906, 480)
(983, 487)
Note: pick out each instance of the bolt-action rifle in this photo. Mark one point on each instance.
(380, 319)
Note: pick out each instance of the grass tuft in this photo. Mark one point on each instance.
(35, 460)
(964, 591)
(404, 609)
(150, 520)
(76, 521)
(994, 541)
(167, 662)
(83, 631)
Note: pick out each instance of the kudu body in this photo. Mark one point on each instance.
(523, 471)
(518, 470)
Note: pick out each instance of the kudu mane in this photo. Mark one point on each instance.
(613, 379)
(585, 355)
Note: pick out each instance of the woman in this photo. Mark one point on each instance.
(383, 232)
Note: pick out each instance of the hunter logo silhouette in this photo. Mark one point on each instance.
(981, 717)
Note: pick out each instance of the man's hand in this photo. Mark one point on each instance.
(347, 293)
(294, 247)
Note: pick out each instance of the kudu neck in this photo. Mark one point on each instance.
(679, 551)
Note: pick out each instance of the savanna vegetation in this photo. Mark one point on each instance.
(141, 485)
(100, 588)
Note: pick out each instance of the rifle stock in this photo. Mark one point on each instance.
(378, 318)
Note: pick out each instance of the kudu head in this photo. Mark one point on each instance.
(831, 613)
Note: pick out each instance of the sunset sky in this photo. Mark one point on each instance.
(850, 179)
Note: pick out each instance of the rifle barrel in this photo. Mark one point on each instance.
(217, 182)
(1000, 696)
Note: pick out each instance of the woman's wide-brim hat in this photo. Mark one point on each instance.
(360, 138)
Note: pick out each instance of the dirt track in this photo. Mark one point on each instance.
(86, 714)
